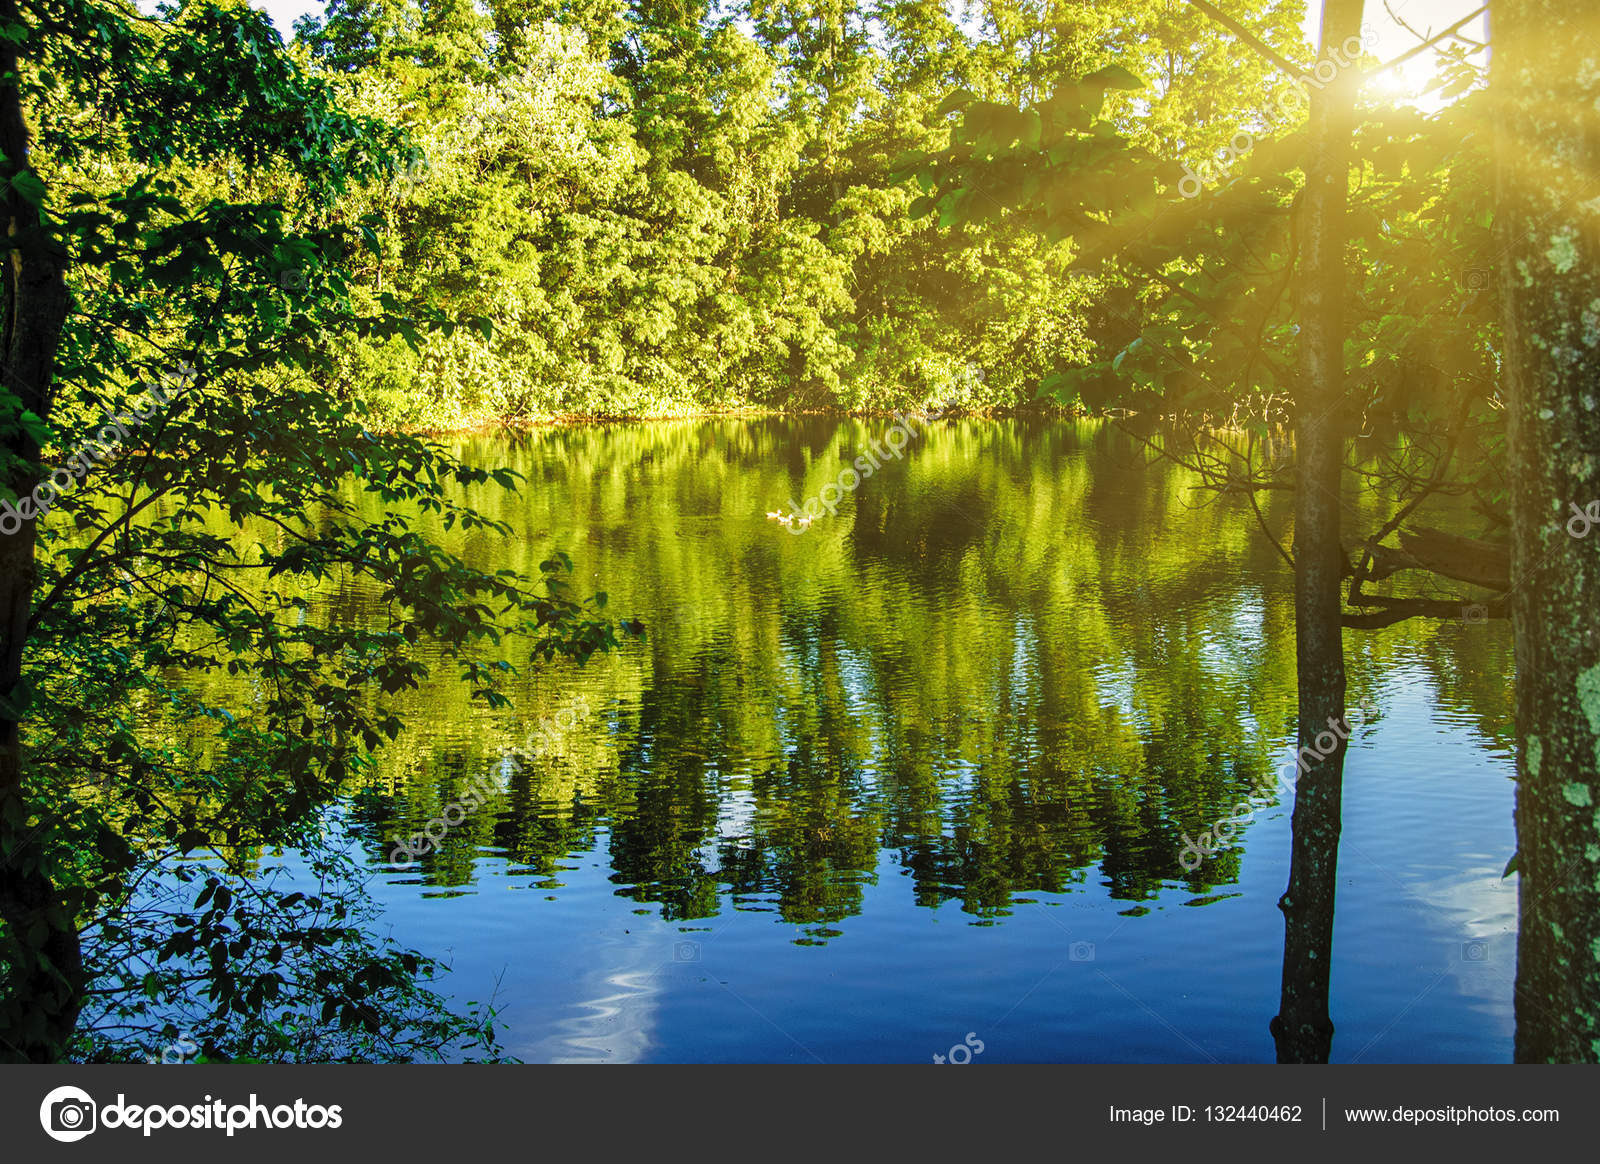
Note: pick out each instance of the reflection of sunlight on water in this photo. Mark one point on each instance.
(1024, 655)
(959, 779)
(1117, 684)
(736, 809)
(1238, 643)
(577, 977)
(856, 682)
(615, 1027)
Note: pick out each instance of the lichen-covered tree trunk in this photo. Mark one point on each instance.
(1303, 1030)
(43, 979)
(1546, 77)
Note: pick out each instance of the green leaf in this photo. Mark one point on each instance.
(14, 706)
(1114, 77)
(27, 184)
(1116, 364)
(36, 427)
(192, 839)
(960, 99)
(905, 165)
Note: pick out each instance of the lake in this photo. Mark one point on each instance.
(917, 780)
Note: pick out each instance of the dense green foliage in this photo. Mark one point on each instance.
(669, 208)
(274, 263)
(1203, 273)
(176, 494)
(1202, 321)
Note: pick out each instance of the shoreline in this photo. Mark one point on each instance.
(492, 425)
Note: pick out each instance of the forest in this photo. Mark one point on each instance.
(418, 433)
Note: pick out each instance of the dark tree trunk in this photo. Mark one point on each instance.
(1303, 1029)
(45, 982)
(1546, 65)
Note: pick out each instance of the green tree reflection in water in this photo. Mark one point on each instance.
(1016, 660)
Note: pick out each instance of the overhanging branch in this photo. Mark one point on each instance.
(1424, 46)
(1283, 64)
(1384, 612)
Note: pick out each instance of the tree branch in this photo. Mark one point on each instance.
(1388, 611)
(1283, 64)
(1423, 47)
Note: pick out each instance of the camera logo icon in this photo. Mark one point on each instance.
(1475, 951)
(686, 952)
(67, 1114)
(1081, 951)
(1477, 278)
(1474, 613)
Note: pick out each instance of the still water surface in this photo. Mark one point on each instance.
(925, 769)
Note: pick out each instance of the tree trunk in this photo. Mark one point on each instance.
(1547, 81)
(46, 979)
(1303, 1030)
